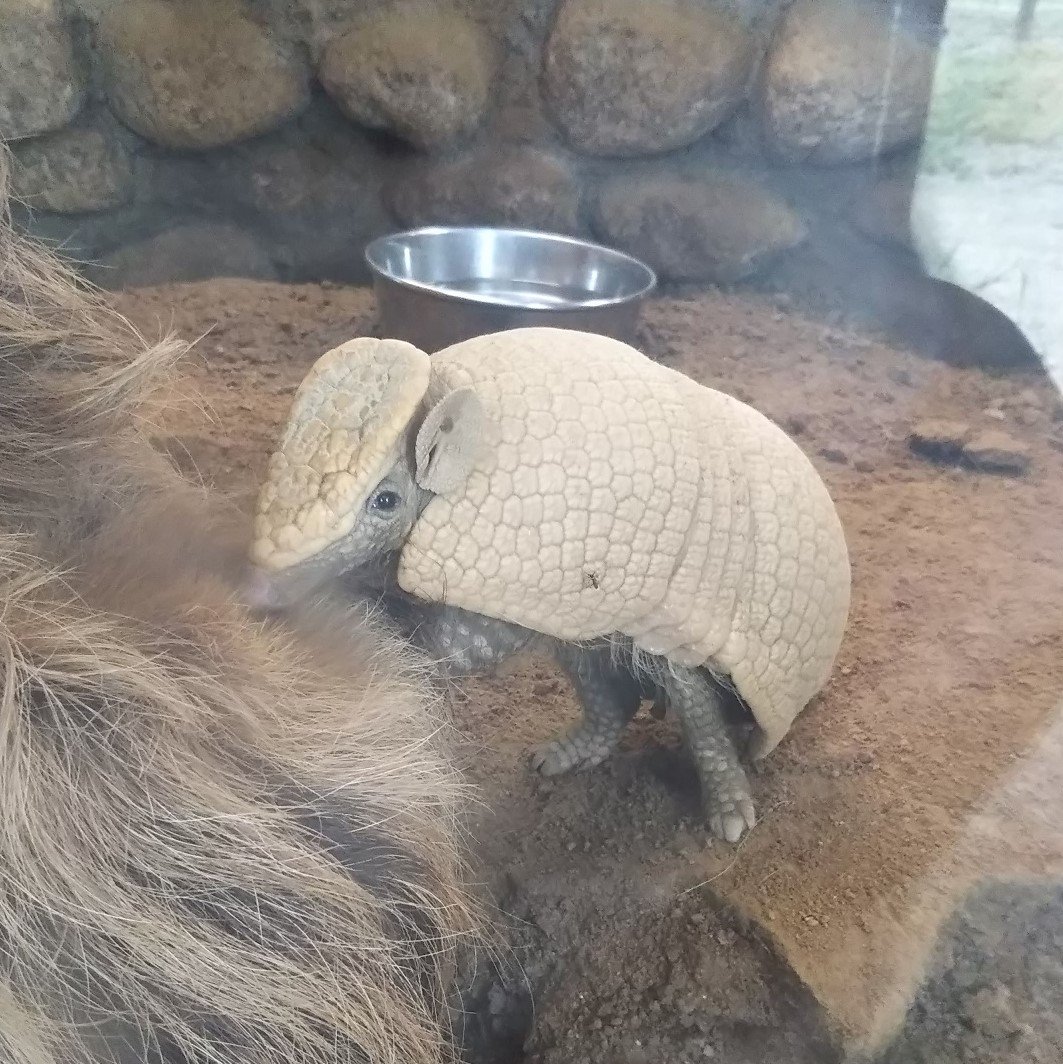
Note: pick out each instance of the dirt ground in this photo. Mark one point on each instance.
(926, 764)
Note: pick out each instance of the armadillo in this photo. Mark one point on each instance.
(668, 540)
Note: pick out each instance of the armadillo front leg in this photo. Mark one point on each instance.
(461, 642)
(725, 788)
(609, 697)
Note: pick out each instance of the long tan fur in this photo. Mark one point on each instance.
(222, 840)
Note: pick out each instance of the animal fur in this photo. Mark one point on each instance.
(222, 839)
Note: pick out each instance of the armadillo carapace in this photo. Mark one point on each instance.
(668, 540)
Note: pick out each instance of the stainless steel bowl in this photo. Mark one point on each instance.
(437, 286)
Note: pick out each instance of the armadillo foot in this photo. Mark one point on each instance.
(580, 749)
(729, 822)
(725, 788)
(609, 697)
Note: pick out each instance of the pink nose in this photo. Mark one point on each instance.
(260, 591)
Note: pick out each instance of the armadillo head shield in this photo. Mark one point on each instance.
(347, 428)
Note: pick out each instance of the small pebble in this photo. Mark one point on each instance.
(835, 454)
(862, 465)
(996, 452)
(940, 441)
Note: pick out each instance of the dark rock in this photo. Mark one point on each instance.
(197, 75)
(940, 441)
(836, 455)
(312, 190)
(85, 238)
(72, 171)
(887, 288)
(193, 252)
(422, 73)
(41, 80)
(514, 186)
(994, 451)
(721, 229)
(624, 77)
(973, 332)
(822, 88)
(990, 451)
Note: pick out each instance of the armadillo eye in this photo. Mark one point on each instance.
(385, 501)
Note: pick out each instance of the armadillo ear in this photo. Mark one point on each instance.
(449, 441)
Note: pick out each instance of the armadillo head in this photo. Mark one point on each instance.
(364, 449)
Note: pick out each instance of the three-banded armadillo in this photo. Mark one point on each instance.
(664, 536)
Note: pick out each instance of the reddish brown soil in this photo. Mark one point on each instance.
(888, 792)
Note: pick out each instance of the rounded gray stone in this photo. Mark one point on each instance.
(41, 80)
(840, 83)
(73, 171)
(511, 186)
(197, 75)
(315, 192)
(422, 73)
(193, 252)
(722, 229)
(628, 77)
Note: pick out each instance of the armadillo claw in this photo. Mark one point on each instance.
(571, 754)
(730, 821)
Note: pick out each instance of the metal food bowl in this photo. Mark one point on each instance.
(440, 285)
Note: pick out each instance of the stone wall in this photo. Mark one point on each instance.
(721, 140)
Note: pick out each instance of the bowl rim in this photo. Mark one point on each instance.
(373, 248)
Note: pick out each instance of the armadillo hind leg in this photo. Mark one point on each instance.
(609, 696)
(725, 788)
